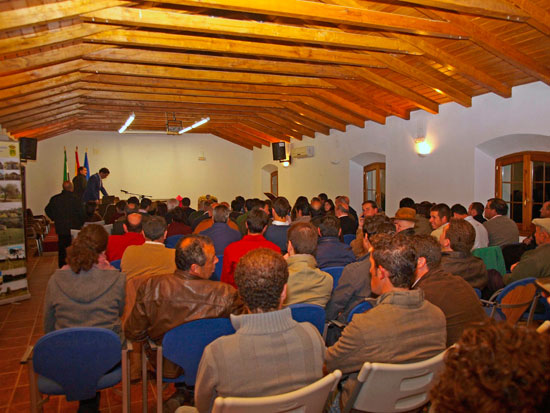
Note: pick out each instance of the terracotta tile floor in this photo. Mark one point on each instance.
(21, 326)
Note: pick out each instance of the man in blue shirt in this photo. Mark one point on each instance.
(95, 185)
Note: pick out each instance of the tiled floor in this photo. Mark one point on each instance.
(21, 326)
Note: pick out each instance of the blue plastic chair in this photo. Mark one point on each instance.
(348, 238)
(77, 362)
(184, 345)
(513, 303)
(116, 264)
(478, 292)
(336, 273)
(362, 307)
(312, 313)
(171, 242)
(216, 275)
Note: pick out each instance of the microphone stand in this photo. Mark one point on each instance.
(132, 193)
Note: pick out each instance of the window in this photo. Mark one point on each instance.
(374, 184)
(523, 181)
(275, 183)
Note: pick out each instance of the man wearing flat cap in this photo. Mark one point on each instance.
(404, 221)
(534, 263)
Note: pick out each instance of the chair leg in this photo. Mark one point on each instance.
(36, 402)
(143, 379)
(125, 382)
(159, 379)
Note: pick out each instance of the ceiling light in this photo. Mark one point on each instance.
(127, 123)
(194, 125)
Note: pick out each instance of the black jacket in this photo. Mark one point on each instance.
(66, 210)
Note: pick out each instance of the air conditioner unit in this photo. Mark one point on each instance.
(302, 152)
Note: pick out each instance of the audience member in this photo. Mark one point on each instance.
(161, 209)
(475, 210)
(423, 226)
(90, 212)
(270, 353)
(352, 211)
(301, 211)
(405, 220)
(249, 205)
(501, 229)
(186, 205)
(316, 208)
(220, 232)
(132, 236)
(276, 231)
(151, 257)
(80, 181)
(451, 293)
(170, 205)
(145, 206)
(329, 207)
(401, 328)
(348, 225)
(534, 263)
(482, 238)
(496, 367)
(205, 220)
(457, 240)
(117, 212)
(132, 206)
(237, 206)
(256, 223)
(168, 300)
(406, 203)
(440, 214)
(178, 225)
(66, 211)
(87, 292)
(330, 251)
(543, 213)
(369, 209)
(307, 284)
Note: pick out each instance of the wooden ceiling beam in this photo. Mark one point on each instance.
(7, 109)
(255, 132)
(354, 16)
(465, 69)
(302, 130)
(44, 121)
(284, 131)
(263, 127)
(160, 112)
(239, 134)
(334, 111)
(539, 18)
(158, 19)
(221, 133)
(140, 56)
(301, 120)
(305, 110)
(66, 34)
(61, 124)
(398, 90)
(38, 96)
(56, 132)
(39, 85)
(125, 37)
(426, 78)
(351, 106)
(35, 111)
(35, 75)
(36, 115)
(208, 75)
(496, 9)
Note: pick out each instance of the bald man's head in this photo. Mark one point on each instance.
(68, 186)
(133, 223)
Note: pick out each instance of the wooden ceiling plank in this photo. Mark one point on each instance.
(465, 69)
(490, 42)
(355, 16)
(351, 106)
(50, 57)
(14, 108)
(38, 96)
(45, 13)
(240, 134)
(44, 129)
(230, 63)
(218, 25)
(496, 9)
(44, 122)
(255, 123)
(221, 134)
(181, 99)
(301, 120)
(334, 111)
(56, 132)
(42, 73)
(305, 110)
(398, 90)
(41, 116)
(70, 33)
(54, 109)
(39, 85)
(195, 74)
(302, 130)
(283, 130)
(426, 78)
(253, 131)
(539, 18)
(126, 37)
(160, 113)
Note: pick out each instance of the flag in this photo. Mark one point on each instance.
(76, 163)
(65, 169)
(86, 164)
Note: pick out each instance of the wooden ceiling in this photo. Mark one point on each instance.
(262, 70)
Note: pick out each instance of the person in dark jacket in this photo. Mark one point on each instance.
(80, 181)
(66, 211)
(330, 251)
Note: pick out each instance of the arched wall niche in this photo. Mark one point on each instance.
(267, 170)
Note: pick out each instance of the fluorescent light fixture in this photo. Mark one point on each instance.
(194, 125)
(127, 123)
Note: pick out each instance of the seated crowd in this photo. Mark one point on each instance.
(417, 270)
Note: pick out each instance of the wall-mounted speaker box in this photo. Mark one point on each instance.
(279, 151)
(27, 148)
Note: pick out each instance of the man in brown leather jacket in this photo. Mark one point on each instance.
(166, 301)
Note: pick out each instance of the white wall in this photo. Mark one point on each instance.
(451, 173)
(158, 165)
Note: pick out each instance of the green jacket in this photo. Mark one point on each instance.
(534, 263)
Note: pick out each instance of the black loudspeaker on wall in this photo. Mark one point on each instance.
(279, 151)
(27, 148)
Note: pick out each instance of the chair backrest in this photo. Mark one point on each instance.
(336, 273)
(216, 275)
(516, 298)
(492, 257)
(171, 242)
(394, 387)
(116, 264)
(362, 307)
(348, 238)
(108, 228)
(184, 345)
(309, 399)
(76, 358)
(312, 313)
(478, 292)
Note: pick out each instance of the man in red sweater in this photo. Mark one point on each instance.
(117, 244)
(256, 224)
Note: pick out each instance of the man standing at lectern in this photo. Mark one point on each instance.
(95, 185)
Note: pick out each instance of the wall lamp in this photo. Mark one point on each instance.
(422, 147)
